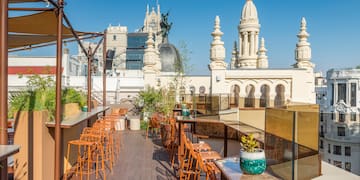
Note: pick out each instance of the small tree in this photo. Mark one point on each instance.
(182, 68)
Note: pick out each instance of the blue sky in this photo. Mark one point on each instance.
(333, 25)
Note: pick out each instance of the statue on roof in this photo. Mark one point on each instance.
(165, 27)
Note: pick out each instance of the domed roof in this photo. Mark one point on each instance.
(249, 11)
(169, 57)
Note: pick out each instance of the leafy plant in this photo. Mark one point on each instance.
(151, 99)
(70, 95)
(40, 95)
(248, 143)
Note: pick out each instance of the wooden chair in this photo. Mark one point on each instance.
(153, 124)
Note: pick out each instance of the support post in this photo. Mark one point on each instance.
(89, 80)
(3, 81)
(104, 70)
(58, 139)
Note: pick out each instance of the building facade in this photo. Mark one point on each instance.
(340, 119)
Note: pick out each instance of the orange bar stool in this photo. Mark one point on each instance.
(107, 141)
(87, 148)
(111, 121)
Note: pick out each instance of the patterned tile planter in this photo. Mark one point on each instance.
(253, 162)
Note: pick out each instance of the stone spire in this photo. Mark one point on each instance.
(150, 55)
(303, 49)
(249, 29)
(234, 55)
(262, 58)
(157, 57)
(217, 51)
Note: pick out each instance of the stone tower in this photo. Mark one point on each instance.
(217, 56)
(303, 49)
(151, 58)
(152, 23)
(248, 28)
(262, 58)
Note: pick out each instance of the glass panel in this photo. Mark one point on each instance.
(306, 136)
(292, 141)
(278, 141)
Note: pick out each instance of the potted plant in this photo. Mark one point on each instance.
(252, 158)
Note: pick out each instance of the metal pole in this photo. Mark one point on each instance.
(104, 69)
(58, 138)
(3, 81)
(89, 80)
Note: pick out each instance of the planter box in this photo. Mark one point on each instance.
(71, 109)
(35, 159)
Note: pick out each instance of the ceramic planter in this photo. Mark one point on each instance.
(253, 162)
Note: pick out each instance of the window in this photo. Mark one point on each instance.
(250, 97)
(347, 151)
(329, 148)
(321, 131)
(353, 116)
(114, 37)
(348, 166)
(321, 116)
(332, 116)
(265, 95)
(353, 94)
(337, 150)
(341, 131)
(321, 144)
(342, 92)
(341, 117)
(332, 95)
(338, 164)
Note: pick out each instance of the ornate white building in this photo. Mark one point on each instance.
(249, 75)
(143, 58)
(340, 119)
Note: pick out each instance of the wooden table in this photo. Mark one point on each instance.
(230, 169)
(8, 150)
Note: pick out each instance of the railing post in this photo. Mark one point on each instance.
(3, 81)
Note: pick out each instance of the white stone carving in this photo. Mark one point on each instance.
(262, 58)
(303, 49)
(217, 51)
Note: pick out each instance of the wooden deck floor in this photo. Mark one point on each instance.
(146, 159)
(140, 159)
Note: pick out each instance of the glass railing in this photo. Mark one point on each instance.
(291, 141)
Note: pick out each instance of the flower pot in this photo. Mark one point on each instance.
(253, 162)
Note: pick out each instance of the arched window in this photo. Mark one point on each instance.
(235, 90)
(264, 98)
(250, 97)
(280, 97)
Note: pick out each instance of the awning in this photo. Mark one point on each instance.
(17, 41)
(44, 23)
(38, 28)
